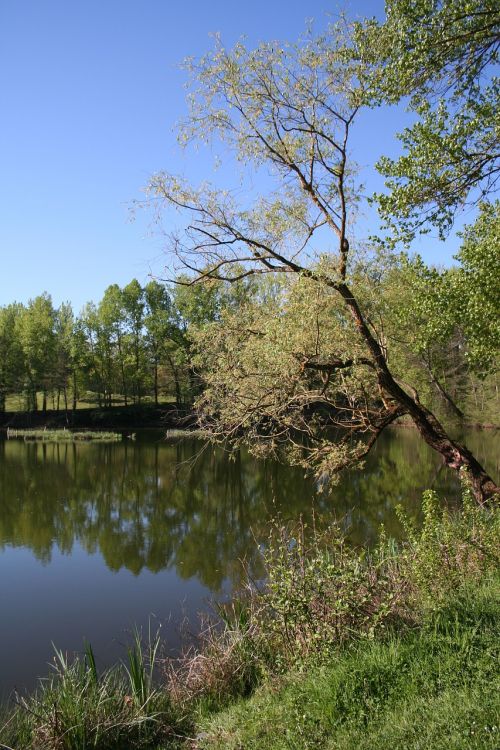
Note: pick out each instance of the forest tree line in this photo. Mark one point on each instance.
(150, 343)
(131, 347)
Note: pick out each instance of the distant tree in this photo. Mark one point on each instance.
(133, 305)
(114, 319)
(64, 328)
(158, 328)
(36, 332)
(98, 360)
(11, 355)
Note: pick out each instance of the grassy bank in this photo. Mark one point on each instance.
(340, 649)
(436, 687)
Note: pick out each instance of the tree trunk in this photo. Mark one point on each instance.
(455, 455)
(443, 393)
(137, 379)
(122, 369)
(75, 395)
(177, 385)
(156, 383)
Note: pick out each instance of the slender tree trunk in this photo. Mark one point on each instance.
(455, 455)
(137, 379)
(65, 395)
(122, 369)
(156, 383)
(75, 395)
(178, 394)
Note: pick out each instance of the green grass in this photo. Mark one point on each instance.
(17, 402)
(63, 435)
(435, 687)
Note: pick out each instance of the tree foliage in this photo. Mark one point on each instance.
(442, 55)
(126, 348)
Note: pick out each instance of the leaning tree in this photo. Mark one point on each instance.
(312, 355)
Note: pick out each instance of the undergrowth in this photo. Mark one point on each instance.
(430, 688)
(320, 595)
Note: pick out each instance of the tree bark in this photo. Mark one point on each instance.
(455, 455)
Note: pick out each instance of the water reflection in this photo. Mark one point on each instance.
(94, 538)
(159, 506)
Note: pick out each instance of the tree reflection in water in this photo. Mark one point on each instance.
(158, 505)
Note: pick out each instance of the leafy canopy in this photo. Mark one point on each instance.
(442, 54)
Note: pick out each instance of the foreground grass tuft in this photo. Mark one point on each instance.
(76, 708)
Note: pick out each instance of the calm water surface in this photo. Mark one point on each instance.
(96, 538)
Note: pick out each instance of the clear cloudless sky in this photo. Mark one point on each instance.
(90, 92)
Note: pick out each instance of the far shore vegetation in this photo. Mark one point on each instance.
(63, 435)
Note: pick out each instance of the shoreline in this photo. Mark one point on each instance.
(167, 417)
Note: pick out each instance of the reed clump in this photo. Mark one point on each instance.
(77, 707)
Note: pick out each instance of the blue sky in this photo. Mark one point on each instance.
(90, 94)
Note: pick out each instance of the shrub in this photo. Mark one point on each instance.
(321, 594)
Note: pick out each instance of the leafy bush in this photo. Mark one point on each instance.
(451, 548)
(322, 593)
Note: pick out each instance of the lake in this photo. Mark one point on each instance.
(96, 538)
